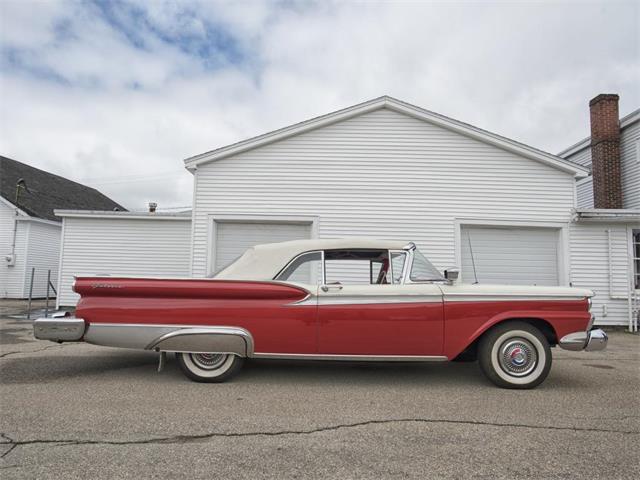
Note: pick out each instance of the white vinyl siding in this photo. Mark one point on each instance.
(7, 216)
(384, 175)
(584, 190)
(593, 268)
(37, 246)
(12, 278)
(630, 165)
(43, 255)
(122, 246)
(233, 238)
(512, 256)
(582, 157)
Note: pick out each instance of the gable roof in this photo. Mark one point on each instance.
(45, 191)
(625, 121)
(390, 103)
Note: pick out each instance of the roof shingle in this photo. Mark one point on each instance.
(46, 192)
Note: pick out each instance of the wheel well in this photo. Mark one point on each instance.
(545, 327)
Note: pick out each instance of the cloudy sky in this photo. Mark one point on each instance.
(117, 94)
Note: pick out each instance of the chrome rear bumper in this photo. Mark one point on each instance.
(591, 341)
(59, 329)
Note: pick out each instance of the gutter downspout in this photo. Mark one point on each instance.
(20, 184)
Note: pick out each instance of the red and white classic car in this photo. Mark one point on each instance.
(346, 299)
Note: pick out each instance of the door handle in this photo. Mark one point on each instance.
(326, 288)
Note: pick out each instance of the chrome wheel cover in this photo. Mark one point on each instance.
(517, 357)
(208, 361)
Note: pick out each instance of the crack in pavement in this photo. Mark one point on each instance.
(204, 436)
(62, 345)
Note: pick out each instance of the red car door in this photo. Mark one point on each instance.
(380, 319)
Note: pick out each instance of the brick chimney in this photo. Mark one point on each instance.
(605, 151)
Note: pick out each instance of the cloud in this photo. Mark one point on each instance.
(117, 94)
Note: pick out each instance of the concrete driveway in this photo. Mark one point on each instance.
(78, 411)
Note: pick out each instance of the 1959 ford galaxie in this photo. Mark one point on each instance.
(347, 299)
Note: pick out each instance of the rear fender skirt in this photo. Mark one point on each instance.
(206, 340)
(171, 338)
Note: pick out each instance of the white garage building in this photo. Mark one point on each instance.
(501, 210)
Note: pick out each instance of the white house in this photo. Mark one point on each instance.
(606, 246)
(29, 230)
(501, 210)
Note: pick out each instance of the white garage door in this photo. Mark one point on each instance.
(233, 238)
(516, 256)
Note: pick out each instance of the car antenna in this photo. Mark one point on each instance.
(473, 262)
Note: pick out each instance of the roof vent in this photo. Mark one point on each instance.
(152, 207)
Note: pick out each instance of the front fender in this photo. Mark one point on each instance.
(462, 330)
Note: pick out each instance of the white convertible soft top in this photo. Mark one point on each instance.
(263, 262)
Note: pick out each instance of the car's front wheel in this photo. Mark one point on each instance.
(209, 367)
(515, 355)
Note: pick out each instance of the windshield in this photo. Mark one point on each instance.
(422, 270)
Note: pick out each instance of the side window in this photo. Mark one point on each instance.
(356, 267)
(307, 268)
(397, 261)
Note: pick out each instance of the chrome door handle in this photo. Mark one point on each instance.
(326, 288)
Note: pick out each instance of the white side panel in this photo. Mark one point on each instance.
(232, 239)
(584, 190)
(630, 164)
(583, 157)
(15, 275)
(512, 256)
(382, 175)
(43, 254)
(7, 216)
(592, 267)
(122, 247)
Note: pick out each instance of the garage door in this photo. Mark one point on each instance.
(233, 238)
(516, 256)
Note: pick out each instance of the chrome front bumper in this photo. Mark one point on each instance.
(59, 329)
(591, 341)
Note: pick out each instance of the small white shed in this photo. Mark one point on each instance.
(30, 247)
(121, 243)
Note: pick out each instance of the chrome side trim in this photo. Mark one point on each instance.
(205, 340)
(59, 329)
(368, 300)
(453, 297)
(351, 358)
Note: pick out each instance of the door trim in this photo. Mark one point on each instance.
(351, 358)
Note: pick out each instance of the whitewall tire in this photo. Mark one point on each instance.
(209, 367)
(515, 355)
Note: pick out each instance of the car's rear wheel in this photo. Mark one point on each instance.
(515, 355)
(209, 367)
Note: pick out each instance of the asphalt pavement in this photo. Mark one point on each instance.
(81, 411)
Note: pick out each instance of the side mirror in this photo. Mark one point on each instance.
(451, 274)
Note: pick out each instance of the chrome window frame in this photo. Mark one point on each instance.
(403, 274)
(322, 269)
(408, 250)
